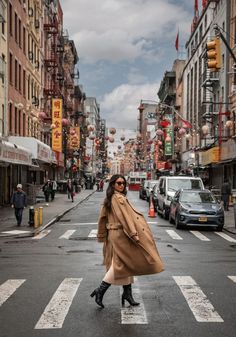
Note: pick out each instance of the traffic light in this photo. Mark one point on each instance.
(214, 54)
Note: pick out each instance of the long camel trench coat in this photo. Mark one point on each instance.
(128, 240)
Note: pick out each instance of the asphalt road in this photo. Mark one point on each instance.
(45, 283)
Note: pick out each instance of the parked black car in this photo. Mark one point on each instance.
(196, 208)
(142, 190)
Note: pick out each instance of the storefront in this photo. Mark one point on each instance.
(14, 163)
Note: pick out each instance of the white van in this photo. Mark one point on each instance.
(168, 185)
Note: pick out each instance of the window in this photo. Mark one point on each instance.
(19, 78)
(19, 122)
(16, 72)
(24, 86)
(4, 67)
(10, 69)
(20, 33)
(28, 87)
(24, 128)
(16, 31)
(10, 118)
(16, 121)
(10, 19)
(24, 40)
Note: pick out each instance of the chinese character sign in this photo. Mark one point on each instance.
(74, 142)
(168, 145)
(57, 121)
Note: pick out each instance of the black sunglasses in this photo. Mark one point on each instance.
(120, 183)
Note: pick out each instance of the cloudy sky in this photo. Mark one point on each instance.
(124, 48)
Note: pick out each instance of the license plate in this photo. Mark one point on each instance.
(202, 219)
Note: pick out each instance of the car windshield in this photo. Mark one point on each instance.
(187, 184)
(197, 197)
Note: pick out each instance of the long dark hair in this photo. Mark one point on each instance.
(111, 189)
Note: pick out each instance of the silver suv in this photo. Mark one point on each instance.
(168, 185)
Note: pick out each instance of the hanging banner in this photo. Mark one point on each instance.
(168, 145)
(57, 122)
(74, 139)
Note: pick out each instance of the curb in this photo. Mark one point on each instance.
(51, 222)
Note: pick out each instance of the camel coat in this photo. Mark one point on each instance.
(128, 240)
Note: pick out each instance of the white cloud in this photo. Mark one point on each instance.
(120, 106)
(116, 30)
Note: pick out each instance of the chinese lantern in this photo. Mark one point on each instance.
(159, 142)
(182, 131)
(65, 122)
(229, 124)
(205, 129)
(92, 137)
(112, 131)
(90, 127)
(150, 141)
(119, 147)
(159, 132)
(42, 115)
(53, 126)
(72, 132)
(111, 139)
(122, 138)
(188, 136)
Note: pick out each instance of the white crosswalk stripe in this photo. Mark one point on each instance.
(233, 278)
(57, 309)
(200, 306)
(134, 315)
(200, 236)
(93, 233)
(226, 237)
(67, 234)
(42, 234)
(8, 288)
(173, 234)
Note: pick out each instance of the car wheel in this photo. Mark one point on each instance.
(165, 213)
(177, 225)
(219, 228)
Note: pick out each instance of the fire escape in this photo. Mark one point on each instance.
(53, 60)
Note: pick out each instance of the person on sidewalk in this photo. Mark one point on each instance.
(19, 202)
(129, 247)
(47, 188)
(53, 188)
(225, 194)
(70, 190)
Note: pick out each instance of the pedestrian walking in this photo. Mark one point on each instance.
(47, 188)
(101, 185)
(70, 190)
(129, 246)
(225, 193)
(53, 189)
(19, 202)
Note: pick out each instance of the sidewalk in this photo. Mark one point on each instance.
(51, 213)
(229, 221)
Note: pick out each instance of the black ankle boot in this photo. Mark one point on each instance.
(127, 295)
(99, 293)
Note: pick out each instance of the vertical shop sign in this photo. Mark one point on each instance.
(168, 145)
(57, 122)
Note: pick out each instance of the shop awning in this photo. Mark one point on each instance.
(14, 154)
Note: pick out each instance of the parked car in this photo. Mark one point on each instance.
(168, 185)
(142, 190)
(154, 195)
(196, 207)
(150, 185)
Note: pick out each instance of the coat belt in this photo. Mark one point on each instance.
(113, 226)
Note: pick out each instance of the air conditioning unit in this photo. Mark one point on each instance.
(36, 64)
(37, 24)
(31, 55)
(233, 88)
(30, 12)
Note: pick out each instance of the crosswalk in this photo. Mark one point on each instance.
(173, 234)
(59, 306)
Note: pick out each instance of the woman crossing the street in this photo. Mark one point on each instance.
(129, 246)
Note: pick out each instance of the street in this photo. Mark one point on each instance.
(46, 281)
